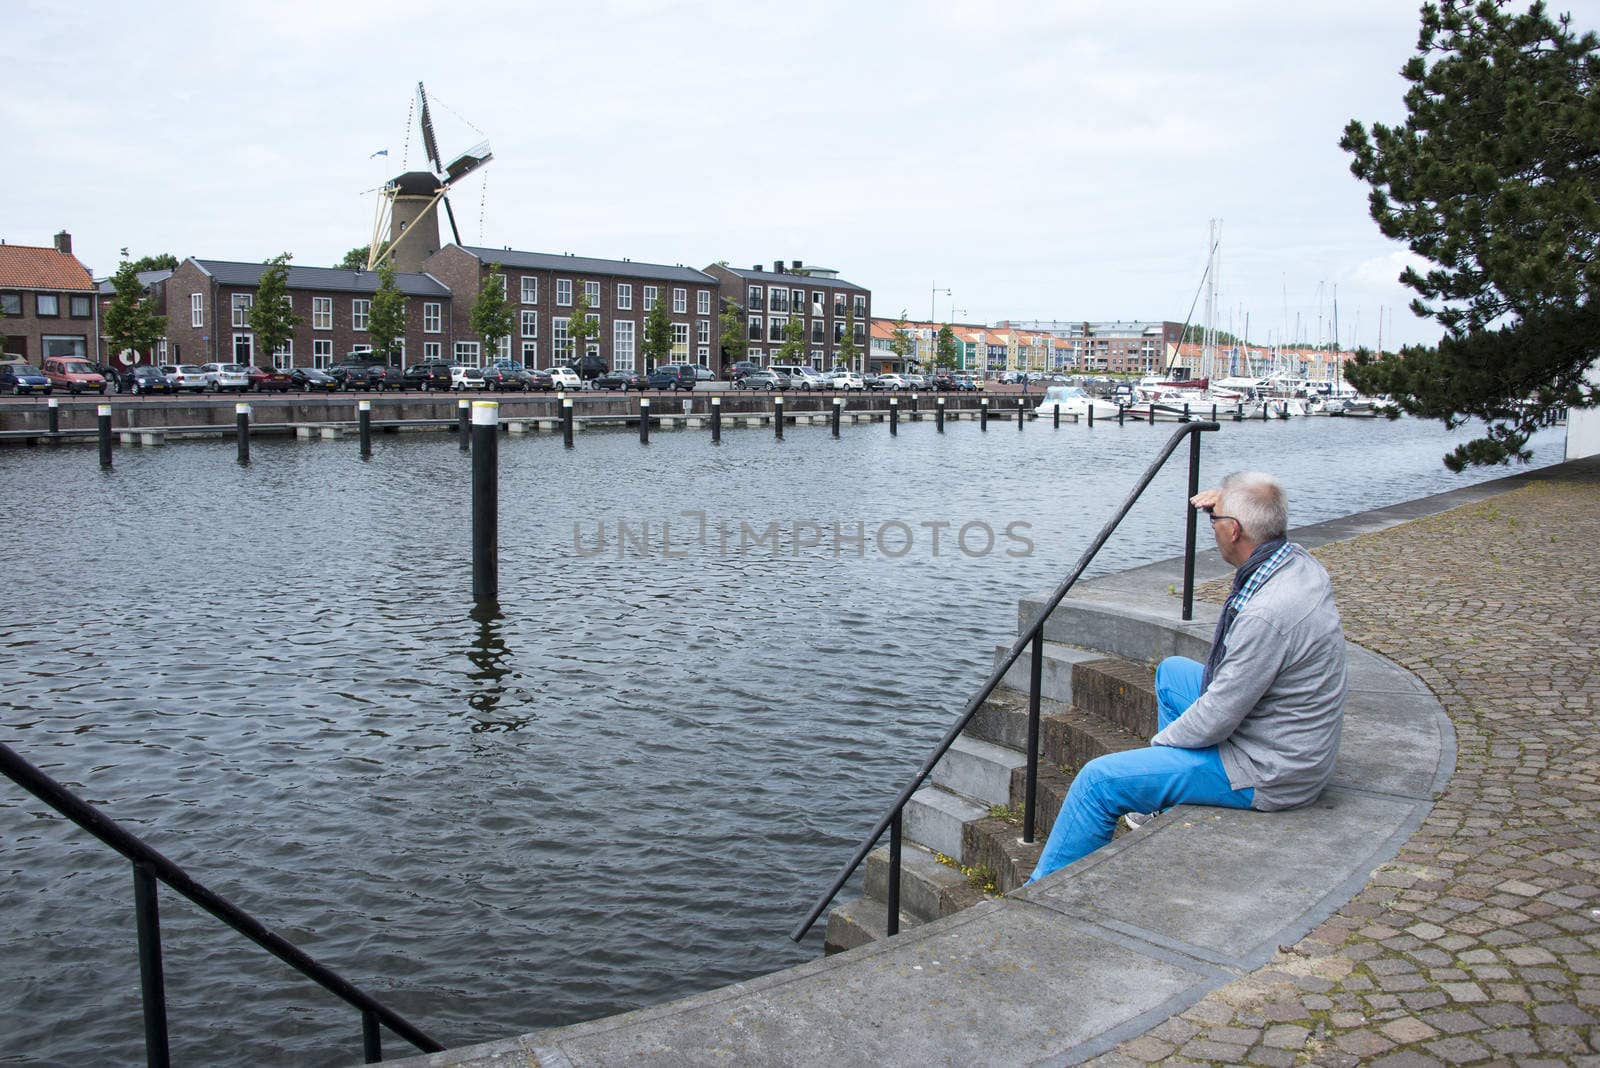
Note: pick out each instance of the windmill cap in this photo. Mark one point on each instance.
(415, 184)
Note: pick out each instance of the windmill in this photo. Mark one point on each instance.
(406, 203)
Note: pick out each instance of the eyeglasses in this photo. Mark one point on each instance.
(1213, 516)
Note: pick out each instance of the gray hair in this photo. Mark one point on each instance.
(1258, 502)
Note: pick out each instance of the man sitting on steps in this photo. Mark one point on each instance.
(1256, 726)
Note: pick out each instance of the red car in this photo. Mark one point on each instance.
(265, 378)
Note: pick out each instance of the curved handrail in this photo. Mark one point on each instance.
(1034, 631)
(149, 862)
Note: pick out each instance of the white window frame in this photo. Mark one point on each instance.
(530, 353)
(797, 301)
(431, 349)
(467, 353)
(283, 355)
(562, 347)
(530, 324)
(530, 289)
(197, 309)
(321, 352)
(650, 298)
(563, 292)
(702, 331)
(704, 357)
(505, 285)
(757, 295)
(249, 341)
(680, 300)
(432, 317)
(623, 352)
(322, 313)
(502, 349)
(624, 296)
(592, 291)
(592, 348)
(680, 342)
(702, 302)
(241, 304)
(360, 312)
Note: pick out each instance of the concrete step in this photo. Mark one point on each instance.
(1055, 674)
(929, 889)
(855, 923)
(979, 769)
(1071, 737)
(995, 846)
(1118, 691)
(933, 819)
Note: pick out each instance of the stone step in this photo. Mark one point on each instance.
(978, 769)
(1118, 691)
(855, 923)
(929, 888)
(994, 846)
(1055, 674)
(1067, 735)
(933, 819)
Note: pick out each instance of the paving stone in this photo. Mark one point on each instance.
(1408, 1029)
(1458, 1049)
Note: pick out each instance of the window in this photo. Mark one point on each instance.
(649, 298)
(505, 290)
(530, 324)
(591, 290)
(283, 355)
(400, 350)
(680, 342)
(359, 310)
(241, 310)
(11, 304)
(861, 307)
(622, 345)
(530, 289)
(197, 309)
(838, 305)
(65, 346)
(564, 292)
(755, 298)
(467, 353)
(838, 330)
(624, 296)
(754, 333)
(502, 349)
(321, 352)
(530, 354)
(78, 307)
(702, 331)
(432, 317)
(704, 356)
(799, 305)
(816, 302)
(244, 348)
(680, 301)
(47, 305)
(816, 330)
(592, 348)
(431, 350)
(322, 313)
(754, 355)
(775, 328)
(861, 331)
(702, 302)
(780, 300)
(561, 347)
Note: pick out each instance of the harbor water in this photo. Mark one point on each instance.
(712, 668)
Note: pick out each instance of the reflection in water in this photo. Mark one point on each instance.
(489, 655)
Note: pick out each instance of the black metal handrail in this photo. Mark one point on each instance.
(1032, 636)
(149, 866)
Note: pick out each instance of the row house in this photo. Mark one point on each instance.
(766, 300)
(208, 306)
(1257, 361)
(542, 289)
(1118, 347)
(47, 302)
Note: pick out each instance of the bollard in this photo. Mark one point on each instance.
(838, 402)
(914, 403)
(1121, 412)
(364, 423)
(1213, 411)
(777, 418)
(894, 417)
(644, 420)
(716, 420)
(1091, 411)
(1238, 411)
(105, 435)
(485, 502)
(241, 419)
(55, 419)
(938, 414)
(463, 415)
(1185, 412)
(566, 423)
(1058, 416)
(983, 414)
(1264, 407)
(1021, 413)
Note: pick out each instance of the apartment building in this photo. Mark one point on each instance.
(48, 302)
(1126, 347)
(208, 306)
(766, 300)
(543, 287)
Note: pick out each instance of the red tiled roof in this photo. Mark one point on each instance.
(27, 267)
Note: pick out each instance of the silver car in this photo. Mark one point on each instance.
(221, 376)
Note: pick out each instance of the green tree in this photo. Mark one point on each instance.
(132, 319)
(490, 317)
(581, 328)
(847, 355)
(900, 341)
(793, 349)
(947, 350)
(1495, 179)
(657, 334)
(161, 261)
(271, 316)
(355, 259)
(731, 328)
(386, 319)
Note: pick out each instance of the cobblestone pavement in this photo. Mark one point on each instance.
(1480, 942)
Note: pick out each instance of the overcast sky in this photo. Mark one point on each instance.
(1050, 160)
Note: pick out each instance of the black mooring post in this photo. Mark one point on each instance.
(892, 923)
(104, 418)
(54, 408)
(485, 502)
(983, 414)
(364, 424)
(1022, 414)
(566, 422)
(241, 419)
(1057, 418)
(1213, 411)
(1189, 527)
(152, 985)
(1122, 411)
(644, 420)
(1264, 407)
(371, 1038)
(777, 418)
(1238, 411)
(1035, 684)
(1185, 411)
(716, 420)
(894, 416)
(463, 423)
(838, 403)
(1091, 411)
(914, 403)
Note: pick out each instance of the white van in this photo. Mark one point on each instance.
(801, 375)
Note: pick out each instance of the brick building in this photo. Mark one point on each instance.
(208, 314)
(1118, 347)
(48, 302)
(543, 287)
(767, 300)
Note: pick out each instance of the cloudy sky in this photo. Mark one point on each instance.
(1050, 160)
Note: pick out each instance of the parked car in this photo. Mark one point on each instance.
(142, 378)
(801, 376)
(742, 368)
(22, 378)
(673, 376)
(221, 376)
(263, 379)
(539, 380)
(184, 376)
(564, 377)
(464, 378)
(847, 380)
(890, 381)
(356, 375)
(623, 380)
(312, 380)
(915, 381)
(429, 374)
(73, 374)
(588, 368)
(703, 374)
(503, 378)
(763, 380)
(943, 383)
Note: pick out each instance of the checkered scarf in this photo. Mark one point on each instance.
(1251, 576)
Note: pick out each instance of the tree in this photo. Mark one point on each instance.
(355, 259)
(161, 261)
(793, 349)
(132, 321)
(847, 354)
(731, 327)
(271, 316)
(900, 342)
(947, 350)
(386, 318)
(657, 334)
(581, 328)
(490, 317)
(1495, 179)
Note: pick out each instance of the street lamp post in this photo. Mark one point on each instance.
(933, 296)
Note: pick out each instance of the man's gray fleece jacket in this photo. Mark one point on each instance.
(1276, 703)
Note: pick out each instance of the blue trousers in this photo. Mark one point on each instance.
(1140, 780)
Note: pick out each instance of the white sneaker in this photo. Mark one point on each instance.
(1134, 820)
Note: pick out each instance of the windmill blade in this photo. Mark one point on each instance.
(467, 162)
(449, 211)
(429, 145)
